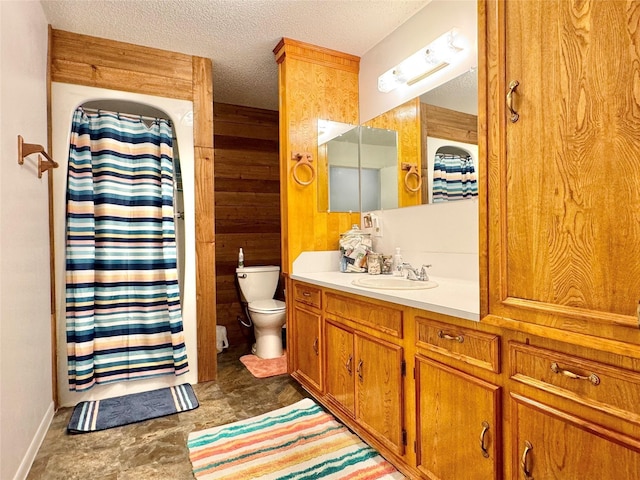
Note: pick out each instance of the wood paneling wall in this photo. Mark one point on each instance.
(247, 203)
(97, 62)
(314, 83)
(449, 124)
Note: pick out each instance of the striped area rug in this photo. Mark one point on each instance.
(297, 442)
(94, 415)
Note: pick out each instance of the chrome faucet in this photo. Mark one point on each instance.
(415, 273)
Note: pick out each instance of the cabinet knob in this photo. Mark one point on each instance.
(348, 364)
(359, 371)
(315, 346)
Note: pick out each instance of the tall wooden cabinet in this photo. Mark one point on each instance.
(563, 143)
(560, 136)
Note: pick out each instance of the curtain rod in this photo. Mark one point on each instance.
(128, 115)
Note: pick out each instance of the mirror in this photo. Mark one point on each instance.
(367, 167)
(356, 167)
(433, 109)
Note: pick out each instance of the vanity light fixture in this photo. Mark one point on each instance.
(428, 60)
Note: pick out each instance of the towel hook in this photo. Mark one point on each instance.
(26, 149)
(303, 159)
(412, 169)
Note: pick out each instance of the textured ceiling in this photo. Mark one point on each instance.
(238, 35)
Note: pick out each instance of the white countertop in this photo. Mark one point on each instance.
(454, 297)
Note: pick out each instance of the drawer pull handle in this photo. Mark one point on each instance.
(306, 294)
(523, 461)
(349, 363)
(485, 429)
(315, 346)
(446, 336)
(593, 378)
(359, 370)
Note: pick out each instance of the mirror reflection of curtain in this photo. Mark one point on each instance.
(454, 177)
(124, 318)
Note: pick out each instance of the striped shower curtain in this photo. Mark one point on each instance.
(123, 313)
(454, 178)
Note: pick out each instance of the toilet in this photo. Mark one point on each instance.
(257, 286)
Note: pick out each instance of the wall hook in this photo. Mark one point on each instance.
(303, 159)
(26, 149)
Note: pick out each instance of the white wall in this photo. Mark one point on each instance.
(436, 18)
(65, 99)
(445, 234)
(26, 406)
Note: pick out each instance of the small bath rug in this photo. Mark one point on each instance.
(97, 415)
(263, 368)
(300, 441)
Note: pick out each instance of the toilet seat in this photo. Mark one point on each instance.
(267, 306)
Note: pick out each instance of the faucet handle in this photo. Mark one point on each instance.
(423, 273)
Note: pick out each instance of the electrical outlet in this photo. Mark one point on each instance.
(377, 227)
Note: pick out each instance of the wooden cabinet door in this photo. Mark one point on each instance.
(562, 180)
(551, 444)
(307, 345)
(340, 368)
(458, 427)
(379, 387)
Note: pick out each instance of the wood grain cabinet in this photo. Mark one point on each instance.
(563, 188)
(459, 423)
(573, 416)
(365, 379)
(306, 326)
(459, 420)
(549, 443)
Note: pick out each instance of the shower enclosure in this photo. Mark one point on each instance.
(66, 98)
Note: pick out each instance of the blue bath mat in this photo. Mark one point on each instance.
(136, 407)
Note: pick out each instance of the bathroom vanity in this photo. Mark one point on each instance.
(542, 381)
(447, 397)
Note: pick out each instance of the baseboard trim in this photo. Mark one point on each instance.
(32, 451)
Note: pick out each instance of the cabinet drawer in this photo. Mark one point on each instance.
(464, 344)
(604, 387)
(307, 294)
(379, 317)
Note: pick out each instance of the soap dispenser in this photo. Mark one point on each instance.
(397, 263)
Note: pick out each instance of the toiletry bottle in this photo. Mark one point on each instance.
(397, 264)
(240, 258)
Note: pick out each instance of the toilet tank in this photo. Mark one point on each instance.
(258, 283)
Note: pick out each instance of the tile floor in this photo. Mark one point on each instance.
(156, 449)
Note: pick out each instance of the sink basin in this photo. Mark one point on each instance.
(392, 283)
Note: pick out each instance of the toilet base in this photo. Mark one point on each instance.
(268, 345)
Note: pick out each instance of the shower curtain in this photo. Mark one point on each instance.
(123, 313)
(454, 178)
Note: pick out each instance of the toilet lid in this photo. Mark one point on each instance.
(267, 306)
